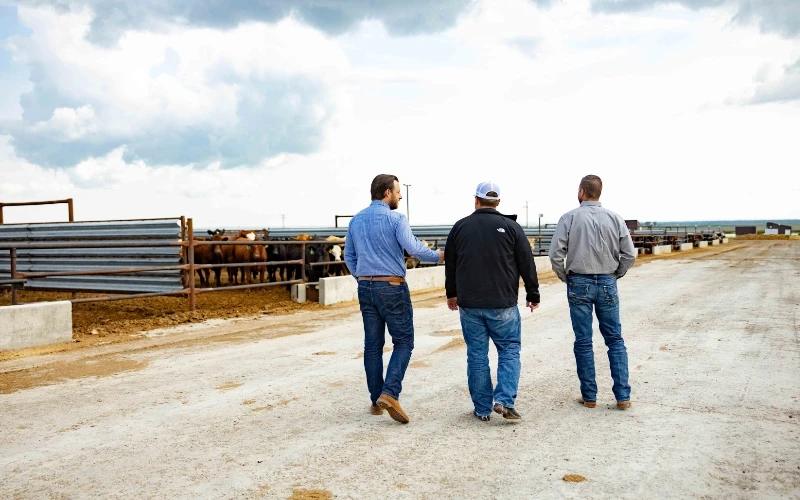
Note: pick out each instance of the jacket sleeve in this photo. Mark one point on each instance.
(450, 262)
(411, 244)
(526, 266)
(350, 255)
(558, 248)
(627, 253)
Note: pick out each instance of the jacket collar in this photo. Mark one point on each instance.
(495, 212)
(591, 204)
(378, 203)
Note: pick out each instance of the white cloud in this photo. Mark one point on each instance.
(638, 99)
(69, 123)
(212, 79)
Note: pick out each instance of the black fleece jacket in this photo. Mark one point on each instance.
(485, 255)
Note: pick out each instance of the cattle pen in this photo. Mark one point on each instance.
(141, 258)
(19, 246)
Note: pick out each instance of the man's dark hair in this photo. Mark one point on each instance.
(592, 186)
(380, 184)
(483, 202)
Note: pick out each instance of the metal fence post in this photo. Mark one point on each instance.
(303, 265)
(184, 276)
(13, 276)
(69, 210)
(190, 259)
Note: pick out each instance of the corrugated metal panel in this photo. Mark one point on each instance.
(159, 231)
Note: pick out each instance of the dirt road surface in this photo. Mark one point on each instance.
(276, 407)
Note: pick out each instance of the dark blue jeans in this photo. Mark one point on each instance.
(504, 327)
(386, 305)
(598, 291)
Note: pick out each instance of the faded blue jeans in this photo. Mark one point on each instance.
(504, 327)
(598, 291)
(383, 304)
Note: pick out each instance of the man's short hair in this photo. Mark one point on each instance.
(592, 186)
(488, 203)
(380, 184)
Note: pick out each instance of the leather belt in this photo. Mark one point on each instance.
(391, 279)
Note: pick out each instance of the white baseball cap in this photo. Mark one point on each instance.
(484, 188)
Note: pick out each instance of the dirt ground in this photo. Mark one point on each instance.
(748, 237)
(275, 405)
(102, 323)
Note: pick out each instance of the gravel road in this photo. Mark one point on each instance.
(274, 407)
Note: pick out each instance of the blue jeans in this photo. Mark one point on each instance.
(504, 327)
(598, 291)
(383, 304)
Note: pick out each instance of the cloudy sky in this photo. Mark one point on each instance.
(235, 112)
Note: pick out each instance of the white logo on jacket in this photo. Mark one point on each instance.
(501, 230)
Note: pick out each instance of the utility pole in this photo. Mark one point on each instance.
(526, 213)
(408, 209)
(283, 221)
(539, 241)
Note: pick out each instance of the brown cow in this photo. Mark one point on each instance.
(240, 254)
(259, 254)
(208, 254)
(217, 254)
(202, 255)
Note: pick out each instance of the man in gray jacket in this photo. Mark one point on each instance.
(598, 250)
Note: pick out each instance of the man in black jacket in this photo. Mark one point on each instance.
(485, 255)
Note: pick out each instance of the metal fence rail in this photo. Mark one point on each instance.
(436, 235)
(96, 246)
(91, 269)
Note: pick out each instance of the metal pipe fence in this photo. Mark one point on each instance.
(189, 267)
(68, 202)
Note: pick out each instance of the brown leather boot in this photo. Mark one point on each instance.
(391, 405)
(375, 410)
(588, 404)
(623, 405)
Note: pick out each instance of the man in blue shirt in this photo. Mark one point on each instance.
(376, 239)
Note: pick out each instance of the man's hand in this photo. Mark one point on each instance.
(441, 256)
(532, 305)
(453, 304)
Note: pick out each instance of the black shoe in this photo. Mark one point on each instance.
(506, 412)
(484, 418)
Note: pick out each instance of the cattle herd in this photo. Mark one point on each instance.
(265, 249)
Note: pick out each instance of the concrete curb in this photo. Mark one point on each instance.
(30, 325)
(345, 288)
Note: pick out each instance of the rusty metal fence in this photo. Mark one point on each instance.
(131, 279)
(68, 202)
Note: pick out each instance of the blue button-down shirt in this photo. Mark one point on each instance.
(376, 238)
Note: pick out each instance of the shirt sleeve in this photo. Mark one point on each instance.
(558, 249)
(450, 262)
(627, 252)
(411, 244)
(350, 255)
(527, 267)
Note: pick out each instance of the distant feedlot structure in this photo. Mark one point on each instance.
(157, 257)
